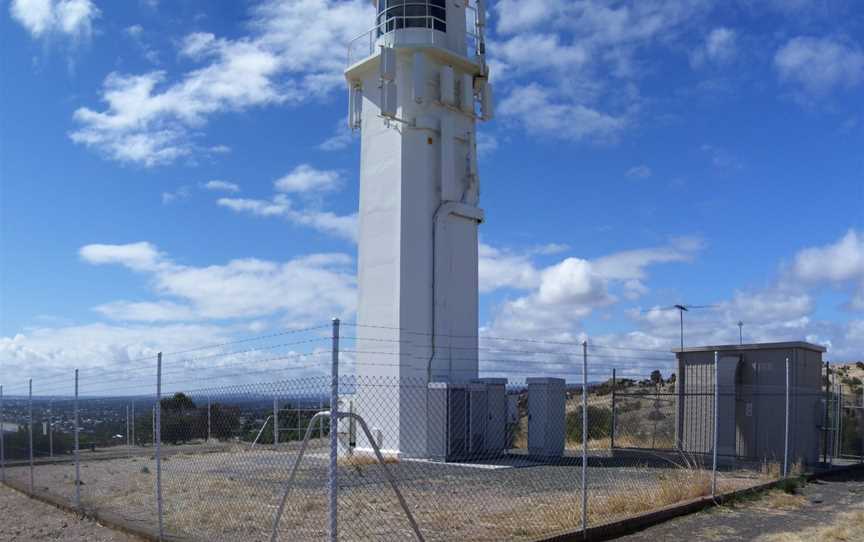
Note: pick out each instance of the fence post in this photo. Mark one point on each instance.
(2, 442)
(128, 431)
(786, 441)
(584, 436)
(716, 421)
(275, 419)
(827, 407)
(334, 442)
(51, 428)
(208, 419)
(158, 437)
(133, 422)
(30, 430)
(838, 425)
(614, 386)
(77, 450)
(839, 447)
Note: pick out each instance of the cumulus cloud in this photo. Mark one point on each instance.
(150, 118)
(567, 291)
(141, 256)
(571, 69)
(303, 289)
(837, 264)
(535, 108)
(305, 178)
(68, 18)
(820, 65)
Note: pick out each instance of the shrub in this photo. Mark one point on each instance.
(599, 424)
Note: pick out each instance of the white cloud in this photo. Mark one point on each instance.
(570, 69)
(560, 295)
(308, 288)
(221, 186)
(305, 178)
(136, 34)
(341, 138)
(720, 47)
(837, 264)
(147, 311)
(535, 108)
(820, 65)
(486, 144)
(141, 256)
(344, 226)
(182, 192)
(502, 269)
(639, 172)
(288, 58)
(42, 18)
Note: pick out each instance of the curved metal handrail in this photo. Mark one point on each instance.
(390, 479)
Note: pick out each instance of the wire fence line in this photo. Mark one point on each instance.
(335, 434)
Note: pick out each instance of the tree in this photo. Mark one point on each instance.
(178, 418)
(656, 377)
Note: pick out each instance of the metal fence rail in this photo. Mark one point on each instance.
(282, 438)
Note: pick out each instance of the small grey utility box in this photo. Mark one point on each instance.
(495, 441)
(546, 400)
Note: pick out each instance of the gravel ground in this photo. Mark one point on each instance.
(229, 495)
(815, 515)
(24, 519)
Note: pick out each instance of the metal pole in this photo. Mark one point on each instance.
(2, 443)
(30, 430)
(128, 433)
(786, 442)
(838, 447)
(681, 316)
(860, 423)
(614, 387)
(77, 450)
(208, 419)
(158, 438)
(825, 421)
(334, 442)
(133, 423)
(584, 436)
(740, 332)
(50, 428)
(716, 421)
(275, 420)
(838, 398)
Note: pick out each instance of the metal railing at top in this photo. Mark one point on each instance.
(363, 45)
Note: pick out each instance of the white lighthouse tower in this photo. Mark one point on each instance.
(418, 84)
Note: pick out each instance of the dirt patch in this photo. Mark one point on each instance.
(26, 520)
(830, 510)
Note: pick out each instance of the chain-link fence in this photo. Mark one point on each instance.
(237, 441)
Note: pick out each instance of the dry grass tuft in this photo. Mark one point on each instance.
(780, 500)
(845, 527)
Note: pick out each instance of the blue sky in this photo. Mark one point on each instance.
(175, 173)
